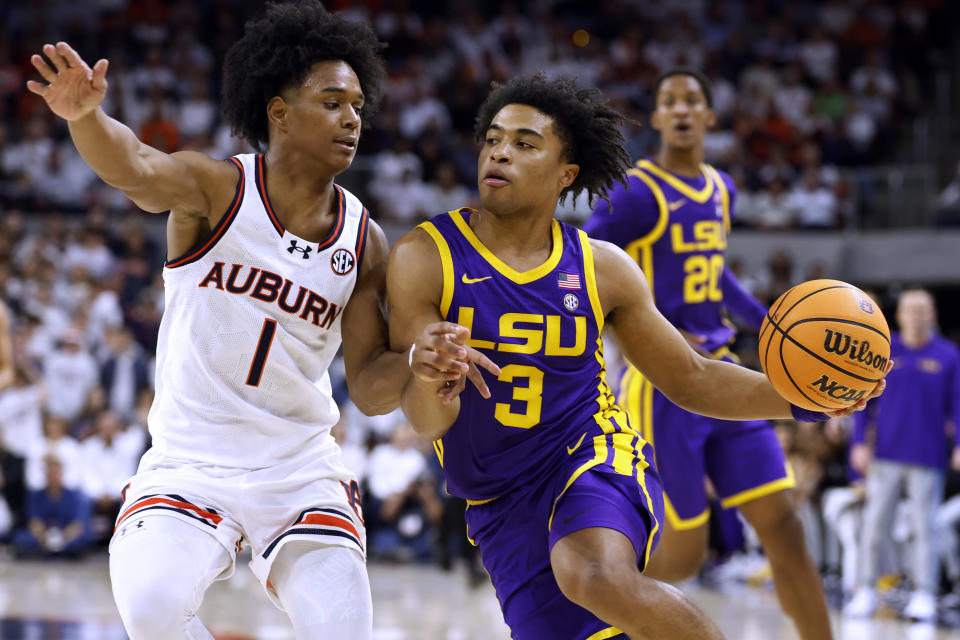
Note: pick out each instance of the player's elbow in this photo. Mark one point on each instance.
(686, 387)
(373, 407)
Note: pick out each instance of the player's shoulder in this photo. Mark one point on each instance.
(725, 177)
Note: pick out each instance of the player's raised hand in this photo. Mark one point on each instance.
(73, 89)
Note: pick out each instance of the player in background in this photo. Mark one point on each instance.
(673, 218)
(264, 252)
(6, 348)
(564, 502)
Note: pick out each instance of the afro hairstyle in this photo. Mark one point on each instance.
(277, 51)
(587, 126)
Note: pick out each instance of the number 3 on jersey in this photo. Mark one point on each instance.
(263, 350)
(532, 394)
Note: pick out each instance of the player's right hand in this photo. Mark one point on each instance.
(73, 89)
(440, 354)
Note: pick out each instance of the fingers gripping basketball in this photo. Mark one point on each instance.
(824, 345)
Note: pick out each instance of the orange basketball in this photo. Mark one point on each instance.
(824, 345)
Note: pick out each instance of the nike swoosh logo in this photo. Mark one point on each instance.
(570, 450)
(466, 280)
(574, 517)
(673, 206)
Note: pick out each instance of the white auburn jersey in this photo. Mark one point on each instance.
(252, 321)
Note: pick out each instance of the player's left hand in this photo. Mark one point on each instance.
(862, 404)
(441, 354)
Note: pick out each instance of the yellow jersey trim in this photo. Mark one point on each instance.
(475, 503)
(604, 634)
(641, 250)
(519, 277)
(590, 272)
(724, 196)
(446, 260)
(682, 524)
(737, 499)
(699, 196)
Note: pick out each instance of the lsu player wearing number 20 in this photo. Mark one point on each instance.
(673, 218)
(564, 501)
(264, 253)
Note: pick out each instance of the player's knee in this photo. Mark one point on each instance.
(687, 565)
(587, 580)
(151, 610)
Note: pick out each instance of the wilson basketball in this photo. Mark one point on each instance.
(824, 345)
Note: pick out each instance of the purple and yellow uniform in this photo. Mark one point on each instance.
(676, 229)
(550, 453)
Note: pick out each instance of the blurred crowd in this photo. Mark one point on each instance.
(807, 93)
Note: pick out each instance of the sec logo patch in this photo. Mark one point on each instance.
(342, 262)
(571, 301)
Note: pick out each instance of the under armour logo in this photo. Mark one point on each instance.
(304, 250)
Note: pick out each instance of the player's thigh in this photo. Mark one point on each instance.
(324, 589)
(745, 462)
(161, 568)
(679, 554)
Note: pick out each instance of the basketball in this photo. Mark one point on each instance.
(824, 345)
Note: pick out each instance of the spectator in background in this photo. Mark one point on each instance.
(58, 518)
(772, 207)
(446, 193)
(70, 372)
(813, 205)
(124, 373)
(948, 204)
(109, 458)
(21, 414)
(59, 443)
(910, 450)
(404, 502)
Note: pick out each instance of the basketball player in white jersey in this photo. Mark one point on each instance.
(264, 251)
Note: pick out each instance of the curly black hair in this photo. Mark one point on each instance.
(277, 51)
(693, 73)
(588, 127)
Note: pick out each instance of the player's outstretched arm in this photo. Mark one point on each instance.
(709, 387)
(6, 349)
(414, 289)
(155, 181)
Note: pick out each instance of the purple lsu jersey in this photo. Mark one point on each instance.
(542, 327)
(550, 453)
(676, 229)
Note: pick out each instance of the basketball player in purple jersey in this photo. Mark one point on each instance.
(672, 218)
(241, 445)
(564, 502)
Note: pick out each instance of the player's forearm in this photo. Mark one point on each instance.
(425, 410)
(377, 387)
(727, 391)
(110, 148)
(740, 302)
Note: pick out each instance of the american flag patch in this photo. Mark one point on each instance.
(568, 280)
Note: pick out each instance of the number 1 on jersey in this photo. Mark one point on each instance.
(263, 349)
